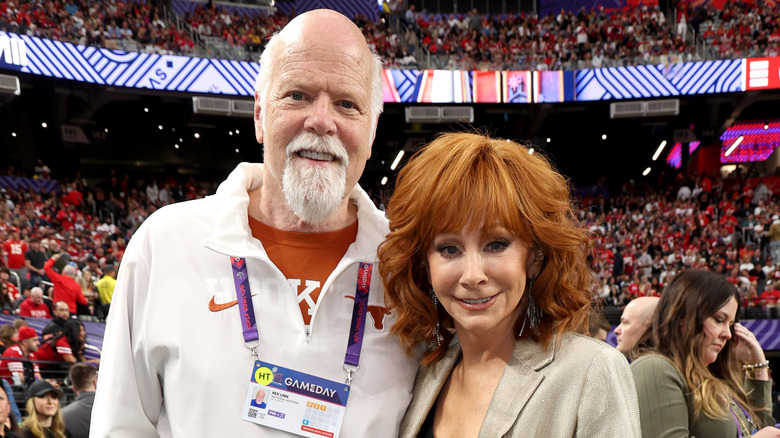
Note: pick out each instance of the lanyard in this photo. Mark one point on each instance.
(355, 340)
(244, 297)
(740, 424)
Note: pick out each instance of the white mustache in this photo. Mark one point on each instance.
(306, 141)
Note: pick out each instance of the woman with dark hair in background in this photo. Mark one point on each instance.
(484, 267)
(706, 375)
(67, 346)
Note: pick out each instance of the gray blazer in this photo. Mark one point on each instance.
(578, 387)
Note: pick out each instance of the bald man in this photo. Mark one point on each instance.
(634, 322)
(269, 283)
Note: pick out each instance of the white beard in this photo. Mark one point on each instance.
(313, 192)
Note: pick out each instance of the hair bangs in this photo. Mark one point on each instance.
(474, 189)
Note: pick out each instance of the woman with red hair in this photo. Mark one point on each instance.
(485, 267)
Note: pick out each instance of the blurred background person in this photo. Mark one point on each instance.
(77, 414)
(598, 326)
(9, 335)
(19, 365)
(44, 416)
(105, 287)
(34, 306)
(485, 268)
(60, 315)
(9, 428)
(635, 322)
(67, 346)
(707, 375)
(65, 286)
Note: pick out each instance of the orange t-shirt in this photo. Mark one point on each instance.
(305, 259)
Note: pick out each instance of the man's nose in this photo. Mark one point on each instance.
(321, 119)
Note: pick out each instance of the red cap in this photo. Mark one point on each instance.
(27, 333)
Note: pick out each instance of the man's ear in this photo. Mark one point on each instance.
(258, 119)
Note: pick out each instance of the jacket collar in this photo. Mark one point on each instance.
(232, 236)
(522, 376)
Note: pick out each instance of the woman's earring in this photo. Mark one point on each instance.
(436, 331)
(534, 312)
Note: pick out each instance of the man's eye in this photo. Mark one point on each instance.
(347, 104)
(296, 95)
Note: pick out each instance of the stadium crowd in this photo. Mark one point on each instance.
(740, 29)
(567, 40)
(643, 235)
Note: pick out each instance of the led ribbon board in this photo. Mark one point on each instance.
(218, 76)
(648, 81)
(126, 69)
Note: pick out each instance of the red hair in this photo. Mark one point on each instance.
(461, 175)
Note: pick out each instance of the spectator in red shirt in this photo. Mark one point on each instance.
(15, 248)
(34, 305)
(67, 346)
(65, 286)
(21, 372)
(769, 298)
(11, 289)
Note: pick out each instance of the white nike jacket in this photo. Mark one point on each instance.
(173, 368)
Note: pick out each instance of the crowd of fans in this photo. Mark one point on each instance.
(645, 235)
(86, 226)
(642, 236)
(104, 23)
(405, 38)
(740, 29)
(595, 38)
(567, 40)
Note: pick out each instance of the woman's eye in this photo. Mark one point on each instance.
(497, 245)
(448, 250)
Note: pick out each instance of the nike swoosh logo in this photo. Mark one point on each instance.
(214, 307)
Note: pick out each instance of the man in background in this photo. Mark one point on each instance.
(34, 259)
(634, 323)
(65, 286)
(105, 287)
(34, 306)
(26, 370)
(77, 414)
(15, 248)
(61, 315)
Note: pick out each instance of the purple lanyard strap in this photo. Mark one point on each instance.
(359, 310)
(739, 423)
(355, 341)
(244, 297)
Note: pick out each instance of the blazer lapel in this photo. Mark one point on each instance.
(520, 380)
(427, 387)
